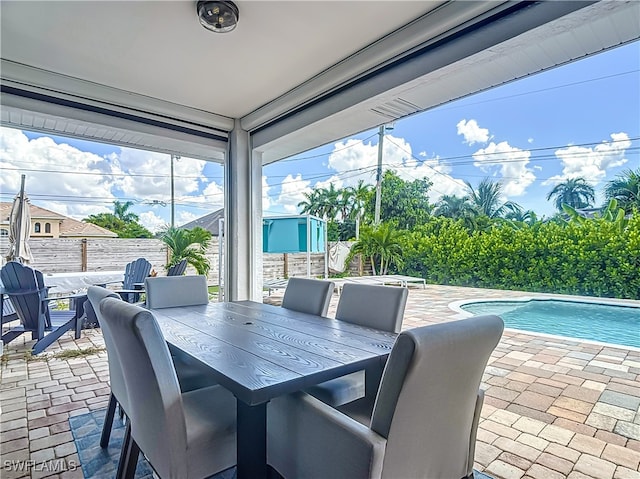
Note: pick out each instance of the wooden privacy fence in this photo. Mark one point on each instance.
(69, 255)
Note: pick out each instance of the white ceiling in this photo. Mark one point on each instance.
(296, 74)
(158, 49)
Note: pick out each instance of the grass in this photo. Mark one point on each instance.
(77, 353)
(66, 354)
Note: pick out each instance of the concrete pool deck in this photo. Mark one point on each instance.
(554, 407)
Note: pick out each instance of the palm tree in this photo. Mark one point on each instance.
(331, 202)
(359, 196)
(345, 203)
(309, 206)
(514, 212)
(487, 197)
(322, 202)
(625, 189)
(575, 192)
(452, 206)
(381, 245)
(190, 245)
(121, 211)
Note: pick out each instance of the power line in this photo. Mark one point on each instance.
(541, 90)
(117, 175)
(444, 160)
(359, 142)
(343, 175)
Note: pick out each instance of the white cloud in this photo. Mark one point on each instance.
(185, 217)
(210, 199)
(149, 174)
(151, 221)
(511, 163)
(354, 160)
(212, 196)
(266, 200)
(592, 163)
(472, 132)
(442, 182)
(292, 190)
(89, 183)
(52, 180)
(529, 140)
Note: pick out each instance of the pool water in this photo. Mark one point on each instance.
(597, 322)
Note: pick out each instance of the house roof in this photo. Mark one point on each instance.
(36, 212)
(69, 228)
(208, 222)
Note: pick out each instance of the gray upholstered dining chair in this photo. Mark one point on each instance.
(182, 435)
(173, 291)
(311, 296)
(423, 423)
(191, 375)
(380, 307)
(116, 380)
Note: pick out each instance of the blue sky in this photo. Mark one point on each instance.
(582, 119)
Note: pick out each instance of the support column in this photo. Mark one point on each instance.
(243, 219)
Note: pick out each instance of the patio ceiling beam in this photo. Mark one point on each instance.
(441, 21)
(34, 80)
(37, 112)
(476, 35)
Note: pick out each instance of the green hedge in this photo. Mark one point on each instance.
(593, 258)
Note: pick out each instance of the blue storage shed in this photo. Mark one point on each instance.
(294, 234)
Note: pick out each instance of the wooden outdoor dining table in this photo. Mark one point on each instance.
(260, 352)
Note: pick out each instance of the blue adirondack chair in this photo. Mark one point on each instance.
(133, 283)
(177, 269)
(28, 295)
(8, 313)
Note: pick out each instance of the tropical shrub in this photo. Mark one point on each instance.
(594, 257)
(380, 245)
(189, 244)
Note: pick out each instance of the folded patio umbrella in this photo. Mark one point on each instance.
(19, 229)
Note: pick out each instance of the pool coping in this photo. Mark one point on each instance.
(456, 306)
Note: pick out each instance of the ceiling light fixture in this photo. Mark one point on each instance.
(218, 16)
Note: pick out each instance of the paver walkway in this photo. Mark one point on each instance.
(554, 407)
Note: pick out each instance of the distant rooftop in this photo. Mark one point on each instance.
(209, 222)
(69, 228)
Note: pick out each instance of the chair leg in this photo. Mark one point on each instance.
(78, 325)
(124, 452)
(132, 463)
(44, 342)
(108, 422)
(128, 456)
(10, 336)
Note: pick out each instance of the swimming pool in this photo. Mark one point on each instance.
(594, 321)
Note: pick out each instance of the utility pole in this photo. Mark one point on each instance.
(173, 199)
(376, 219)
(173, 203)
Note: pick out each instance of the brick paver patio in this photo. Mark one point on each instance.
(554, 407)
